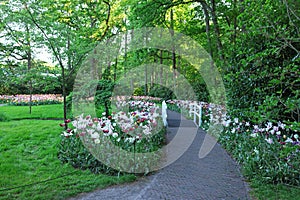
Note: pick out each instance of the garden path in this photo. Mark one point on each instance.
(215, 177)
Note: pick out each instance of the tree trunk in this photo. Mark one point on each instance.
(115, 70)
(29, 65)
(207, 28)
(216, 29)
(173, 48)
(146, 81)
(161, 67)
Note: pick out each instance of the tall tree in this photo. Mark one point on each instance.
(71, 30)
(19, 39)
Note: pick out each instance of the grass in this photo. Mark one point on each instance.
(262, 191)
(29, 168)
(38, 112)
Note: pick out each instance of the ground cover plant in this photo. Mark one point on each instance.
(29, 165)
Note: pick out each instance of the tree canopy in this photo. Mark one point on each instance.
(254, 44)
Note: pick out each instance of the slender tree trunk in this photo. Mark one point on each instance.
(64, 92)
(207, 28)
(29, 65)
(161, 67)
(115, 70)
(234, 23)
(64, 84)
(173, 48)
(216, 29)
(125, 53)
(146, 80)
(95, 74)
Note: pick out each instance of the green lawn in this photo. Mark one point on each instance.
(38, 112)
(29, 166)
(262, 191)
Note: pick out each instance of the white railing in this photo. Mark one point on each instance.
(164, 113)
(196, 111)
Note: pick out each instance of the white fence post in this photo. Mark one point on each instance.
(164, 113)
(195, 114)
(200, 115)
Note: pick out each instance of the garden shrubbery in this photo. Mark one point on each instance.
(154, 90)
(138, 131)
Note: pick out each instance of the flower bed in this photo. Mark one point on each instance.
(269, 151)
(37, 99)
(139, 130)
(4, 99)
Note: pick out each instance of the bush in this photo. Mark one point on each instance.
(161, 92)
(155, 90)
(139, 91)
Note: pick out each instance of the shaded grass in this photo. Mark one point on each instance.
(38, 112)
(262, 191)
(28, 150)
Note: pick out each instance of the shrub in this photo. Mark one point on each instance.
(139, 91)
(161, 92)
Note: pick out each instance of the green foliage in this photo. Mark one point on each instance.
(103, 94)
(161, 92)
(263, 76)
(254, 43)
(174, 107)
(140, 91)
(154, 90)
(16, 79)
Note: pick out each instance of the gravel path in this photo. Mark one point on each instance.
(215, 177)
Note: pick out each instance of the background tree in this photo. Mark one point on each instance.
(19, 39)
